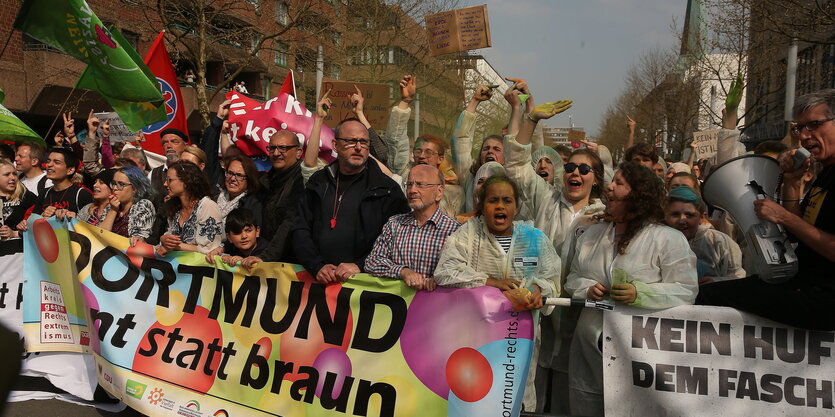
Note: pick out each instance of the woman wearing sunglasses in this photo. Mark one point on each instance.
(631, 258)
(127, 209)
(562, 214)
(239, 188)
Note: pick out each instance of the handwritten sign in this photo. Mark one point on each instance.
(375, 107)
(119, 131)
(706, 142)
(458, 30)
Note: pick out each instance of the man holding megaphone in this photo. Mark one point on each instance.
(806, 300)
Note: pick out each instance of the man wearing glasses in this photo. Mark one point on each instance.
(344, 208)
(281, 189)
(805, 300)
(411, 243)
(428, 150)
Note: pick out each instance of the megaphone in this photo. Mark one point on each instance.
(733, 187)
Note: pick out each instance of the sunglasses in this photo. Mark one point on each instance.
(571, 166)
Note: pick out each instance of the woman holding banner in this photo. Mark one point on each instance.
(193, 218)
(131, 211)
(631, 258)
(17, 200)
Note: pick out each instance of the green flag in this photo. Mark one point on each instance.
(13, 129)
(135, 115)
(72, 27)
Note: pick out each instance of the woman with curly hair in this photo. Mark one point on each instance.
(193, 218)
(630, 257)
(131, 212)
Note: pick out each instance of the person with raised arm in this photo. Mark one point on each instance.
(427, 150)
(344, 205)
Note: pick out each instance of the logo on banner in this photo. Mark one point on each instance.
(170, 103)
(135, 389)
(220, 413)
(156, 396)
(191, 409)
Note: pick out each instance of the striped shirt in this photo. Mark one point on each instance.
(504, 242)
(405, 244)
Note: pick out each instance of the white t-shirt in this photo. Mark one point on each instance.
(32, 183)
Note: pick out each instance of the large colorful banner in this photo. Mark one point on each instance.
(177, 336)
(697, 360)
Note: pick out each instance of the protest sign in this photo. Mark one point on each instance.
(458, 30)
(53, 314)
(119, 131)
(696, 360)
(375, 106)
(706, 142)
(575, 136)
(178, 336)
(252, 124)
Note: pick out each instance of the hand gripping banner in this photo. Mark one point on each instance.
(178, 336)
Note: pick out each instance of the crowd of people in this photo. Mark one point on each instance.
(506, 214)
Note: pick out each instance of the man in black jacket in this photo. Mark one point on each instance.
(282, 188)
(344, 208)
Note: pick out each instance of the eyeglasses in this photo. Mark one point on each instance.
(280, 148)
(571, 166)
(809, 126)
(118, 185)
(235, 175)
(167, 180)
(419, 185)
(424, 152)
(351, 143)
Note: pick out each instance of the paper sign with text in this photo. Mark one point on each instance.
(176, 336)
(706, 142)
(119, 131)
(375, 106)
(700, 360)
(458, 30)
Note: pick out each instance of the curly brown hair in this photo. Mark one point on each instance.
(194, 180)
(645, 202)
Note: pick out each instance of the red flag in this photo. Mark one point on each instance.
(160, 64)
(289, 85)
(252, 124)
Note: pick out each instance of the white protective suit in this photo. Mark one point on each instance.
(555, 216)
(462, 155)
(658, 261)
(550, 211)
(471, 255)
(399, 159)
(718, 256)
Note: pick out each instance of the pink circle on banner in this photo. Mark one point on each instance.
(446, 320)
(334, 361)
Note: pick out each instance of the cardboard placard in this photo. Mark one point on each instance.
(706, 142)
(458, 30)
(119, 131)
(375, 107)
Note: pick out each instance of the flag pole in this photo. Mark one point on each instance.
(60, 112)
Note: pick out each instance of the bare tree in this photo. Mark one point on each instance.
(238, 34)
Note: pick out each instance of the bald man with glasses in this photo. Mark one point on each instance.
(344, 208)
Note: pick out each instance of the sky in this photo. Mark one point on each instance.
(577, 49)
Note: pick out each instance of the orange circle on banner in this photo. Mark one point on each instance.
(46, 240)
(468, 374)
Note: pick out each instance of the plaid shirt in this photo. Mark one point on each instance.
(405, 244)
